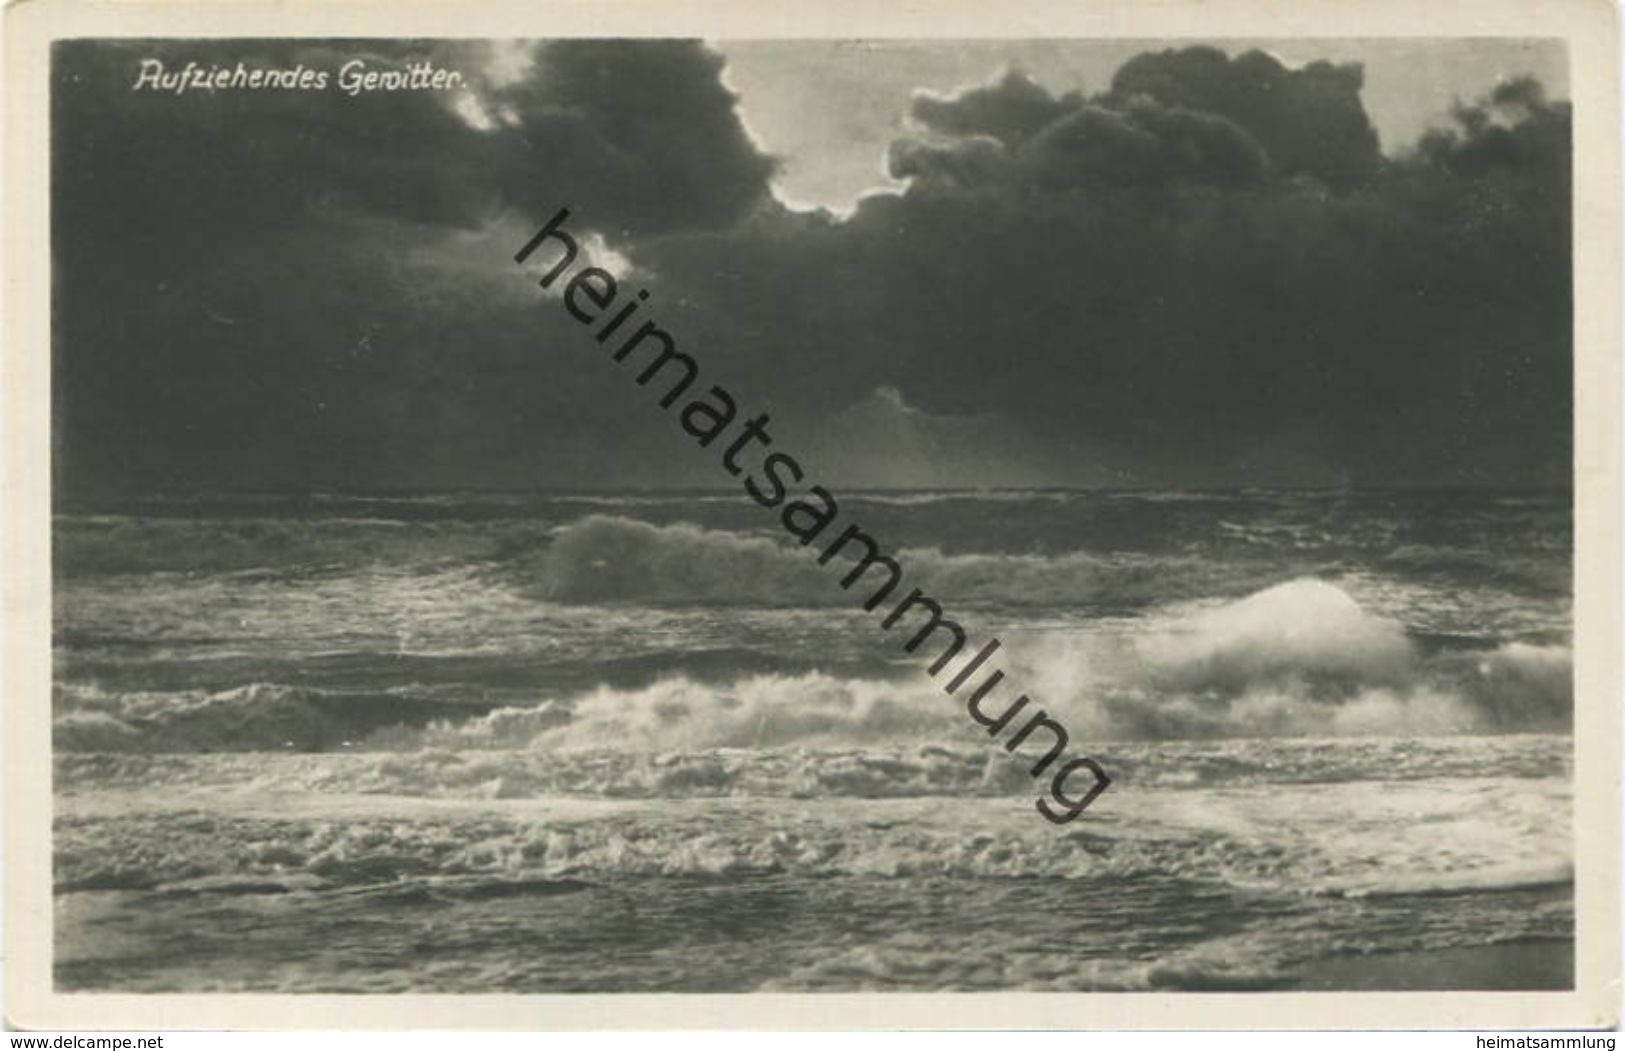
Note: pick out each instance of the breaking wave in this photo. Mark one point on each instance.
(1298, 659)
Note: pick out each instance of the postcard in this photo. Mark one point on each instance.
(673, 515)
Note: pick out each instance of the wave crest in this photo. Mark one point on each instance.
(608, 558)
(1299, 659)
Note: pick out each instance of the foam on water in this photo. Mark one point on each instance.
(1298, 659)
(1230, 885)
(1340, 837)
(451, 766)
(543, 742)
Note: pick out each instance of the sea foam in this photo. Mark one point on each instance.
(1299, 659)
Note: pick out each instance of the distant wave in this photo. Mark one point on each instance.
(607, 558)
(110, 544)
(1104, 551)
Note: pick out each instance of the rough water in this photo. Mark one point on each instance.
(487, 742)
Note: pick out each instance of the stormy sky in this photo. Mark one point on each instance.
(986, 263)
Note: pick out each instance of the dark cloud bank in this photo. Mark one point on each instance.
(1207, 273)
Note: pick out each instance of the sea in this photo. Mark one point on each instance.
(644, 741)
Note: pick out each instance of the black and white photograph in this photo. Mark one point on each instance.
(611, 514)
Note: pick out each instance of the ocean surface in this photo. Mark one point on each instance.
(471, 742)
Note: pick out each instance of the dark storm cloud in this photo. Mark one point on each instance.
(241, 293)
(593, 118)
(1143, 144)
(1195, 112)
(1010, 109)
(642, 135)
(1149, 289)
(1204, 274)
(1310, 121)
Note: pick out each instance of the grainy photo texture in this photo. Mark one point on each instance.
(656, 515)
